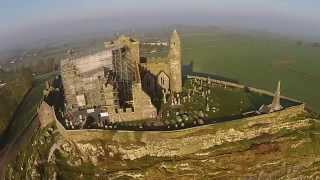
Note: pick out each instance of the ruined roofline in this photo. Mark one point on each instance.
(76, 56)
(119, 42)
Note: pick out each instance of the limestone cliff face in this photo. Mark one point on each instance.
(45, 115)
(176, 146)
(279, 145)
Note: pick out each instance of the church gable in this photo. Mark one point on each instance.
(163, 81)
(156, 67)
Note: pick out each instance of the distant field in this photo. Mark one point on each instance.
(258, 61)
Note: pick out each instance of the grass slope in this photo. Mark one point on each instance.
(27, 109)
(18, 84)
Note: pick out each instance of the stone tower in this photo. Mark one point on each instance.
(276, 106)
(175, 63)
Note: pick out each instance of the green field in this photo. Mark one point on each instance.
(258, 61)
(27, 109)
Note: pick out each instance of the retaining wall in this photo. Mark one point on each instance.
(137, 136)
(90, 144)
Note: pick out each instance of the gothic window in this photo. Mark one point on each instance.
(162, 81)
(148, 83)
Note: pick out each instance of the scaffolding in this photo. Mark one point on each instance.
(124, 71)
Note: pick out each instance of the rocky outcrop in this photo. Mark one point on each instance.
(188, 145)
(46, 115)
(91, 151)
(206, 152)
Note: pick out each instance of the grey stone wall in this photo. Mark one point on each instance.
(46, 115)
(135, 145)
(134, 136)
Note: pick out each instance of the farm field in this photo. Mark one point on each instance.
(258, 61)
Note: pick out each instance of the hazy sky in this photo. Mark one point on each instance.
(23, 19)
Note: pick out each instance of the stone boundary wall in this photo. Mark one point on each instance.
(137, 136)
(122, 136)
(241, 86)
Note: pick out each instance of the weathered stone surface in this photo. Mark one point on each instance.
(166, 70)
(135, 145)
(45, 114)
(175, 63)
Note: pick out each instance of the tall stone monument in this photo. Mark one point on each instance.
(175, 63)
(275, 105)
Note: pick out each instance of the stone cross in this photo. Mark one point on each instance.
(164, 96)
(207, 107)
(172, 100)
(189, 95)
(178, 99)
(207, 104)
(194, 89)
(184, 99)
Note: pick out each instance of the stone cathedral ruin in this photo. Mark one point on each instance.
(118, 84)
(120, 87)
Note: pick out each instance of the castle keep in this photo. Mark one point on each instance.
(117, 84)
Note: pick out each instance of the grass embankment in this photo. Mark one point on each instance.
(33, 157)
(11, 95)
(27, 109)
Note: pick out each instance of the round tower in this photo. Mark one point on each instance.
(175, 63)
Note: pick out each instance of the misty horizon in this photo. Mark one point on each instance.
(34, 22)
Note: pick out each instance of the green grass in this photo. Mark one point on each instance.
(311, 141)
(223, 103)
(228, 102)
(30, 153)
(18, 84)
(257, 61)
(28, 108)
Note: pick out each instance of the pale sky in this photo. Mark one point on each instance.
(19, 18)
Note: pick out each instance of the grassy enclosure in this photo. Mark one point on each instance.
(257, 60)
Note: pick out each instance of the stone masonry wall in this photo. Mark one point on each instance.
(135, 145)
(140, 136)
(143, 108)
(45, 114)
